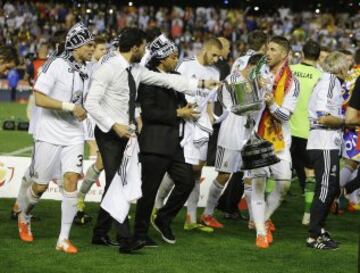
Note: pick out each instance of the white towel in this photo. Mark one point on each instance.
(125, 187)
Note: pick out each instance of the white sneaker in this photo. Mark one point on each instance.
(306, 219)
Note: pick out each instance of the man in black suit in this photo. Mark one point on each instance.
(163, 114)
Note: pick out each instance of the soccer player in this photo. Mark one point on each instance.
(282, 90)
(256, 41)
(324, 145)
(308, 75)
(196, 134)
(93, 173)
(59, 134)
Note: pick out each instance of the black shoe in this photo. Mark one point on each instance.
(150, 243)
(105, 241)
(164, 230)
(319, 243)
(82, 218)
(128, 246)
(325, 236)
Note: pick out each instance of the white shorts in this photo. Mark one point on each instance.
(193, 154)
(227, 160)
(278, 171)
(89, 128)
(50, 161)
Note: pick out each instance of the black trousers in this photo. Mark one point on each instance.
(111, 148)
(231, 197)
(300, 158)
(326, 166)
(154, 168)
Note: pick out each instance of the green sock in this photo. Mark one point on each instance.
(309, 193)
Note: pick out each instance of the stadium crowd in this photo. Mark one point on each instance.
(154, 97)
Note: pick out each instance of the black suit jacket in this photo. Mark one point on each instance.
(160, 132)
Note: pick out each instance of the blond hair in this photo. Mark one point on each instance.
(335, 63)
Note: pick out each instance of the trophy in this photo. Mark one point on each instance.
(257, 152)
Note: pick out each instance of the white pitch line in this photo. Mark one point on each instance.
(20, 151)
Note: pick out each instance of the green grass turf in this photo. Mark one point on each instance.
(231, 249)
(11, 141)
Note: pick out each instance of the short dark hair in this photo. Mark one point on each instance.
(346, 52)
(357, 56)
(152, 33)
(256, 39)
(130, 37)
(100, 40)
(8, 54)
(281, 41)
(325, 48)
(311, 50)
(254, 59)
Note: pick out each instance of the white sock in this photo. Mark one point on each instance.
(68, 212)
(92, 175)
(28, 203)
(276, 196)
(26, 182)
(165, 188)
(213, 197)
(192, 203)
(354, 197)
(345, 175)
(247, 193)
(258, 204)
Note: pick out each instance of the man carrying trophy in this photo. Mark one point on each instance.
(281, 90)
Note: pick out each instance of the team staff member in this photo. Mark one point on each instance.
(324, 145)
(163, 112)
(111, 103)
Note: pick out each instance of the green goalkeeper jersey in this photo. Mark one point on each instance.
(308, 76)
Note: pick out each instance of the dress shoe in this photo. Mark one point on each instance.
(105, 241)
(128, 246)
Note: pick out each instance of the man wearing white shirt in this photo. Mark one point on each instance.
(59, 136)
(111, 103)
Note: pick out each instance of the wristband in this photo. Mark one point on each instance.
(68, 106)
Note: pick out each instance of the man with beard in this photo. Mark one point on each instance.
(111, 103)
(59, 138)
(281, 92)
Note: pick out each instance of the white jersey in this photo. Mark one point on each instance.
(326, 99)
(59, 81)
(191, 68)
(241, 62)
(233, 134)
(283, 113)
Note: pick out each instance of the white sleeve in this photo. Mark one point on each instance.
(324, 93)
(170, 81)
(101, 79)
(284, 112)
(47, 78)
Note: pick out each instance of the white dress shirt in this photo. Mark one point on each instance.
(108, 98)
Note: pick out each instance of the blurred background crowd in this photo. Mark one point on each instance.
(33, 27)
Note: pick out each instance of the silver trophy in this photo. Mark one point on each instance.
(257, 152)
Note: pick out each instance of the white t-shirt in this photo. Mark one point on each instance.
(60, 82)
(326, 99)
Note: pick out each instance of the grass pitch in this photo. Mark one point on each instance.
(231, 249)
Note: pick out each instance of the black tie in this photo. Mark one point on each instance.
(132, 96)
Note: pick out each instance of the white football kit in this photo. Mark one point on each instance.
(196, 134)
(59, 136)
